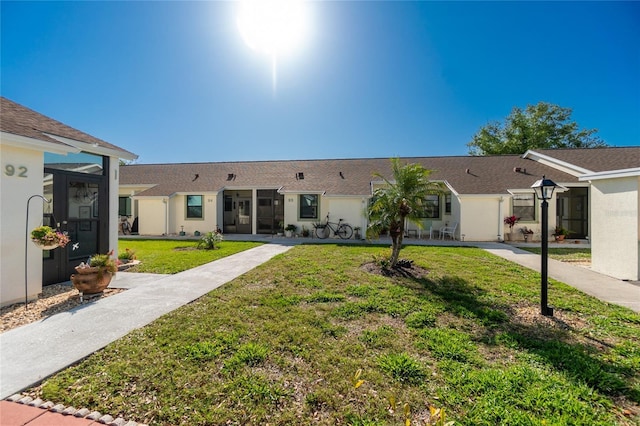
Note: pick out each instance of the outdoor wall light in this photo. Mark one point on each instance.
(544, 191)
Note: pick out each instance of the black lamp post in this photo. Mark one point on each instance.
(544, 191)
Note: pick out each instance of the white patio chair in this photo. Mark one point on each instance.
(411, 228)
(449, 230)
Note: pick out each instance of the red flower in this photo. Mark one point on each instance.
(511, 220)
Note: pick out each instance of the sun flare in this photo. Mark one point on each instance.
(273, 27)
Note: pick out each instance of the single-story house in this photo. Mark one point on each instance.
(77, 174)
(598, 192)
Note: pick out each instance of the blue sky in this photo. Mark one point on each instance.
(174, 81)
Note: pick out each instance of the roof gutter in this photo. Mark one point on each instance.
(611, 174)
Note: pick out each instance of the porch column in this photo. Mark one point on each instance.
(254, 211)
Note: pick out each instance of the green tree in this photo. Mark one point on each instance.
(402, 198)
(541, 126)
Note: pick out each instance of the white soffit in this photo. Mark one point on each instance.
(18, 141)
(95, 148)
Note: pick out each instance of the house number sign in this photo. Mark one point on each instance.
(11, 170)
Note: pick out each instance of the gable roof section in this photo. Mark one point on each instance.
(464, 174)
(21, 121)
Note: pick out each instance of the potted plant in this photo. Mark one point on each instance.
(510, 221)
(305, 231)
(560, 233)
(93, 277)
(356, 231)
(48, 238)
(196, 233)
(289, 230)
(126, 259)
(526, 232)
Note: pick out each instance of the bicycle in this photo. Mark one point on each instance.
(342, 230)
(125, 226)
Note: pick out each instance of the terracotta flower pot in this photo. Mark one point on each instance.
(91, 280)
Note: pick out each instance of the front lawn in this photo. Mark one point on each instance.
(173, 256)
(564, 254)
(282, 345)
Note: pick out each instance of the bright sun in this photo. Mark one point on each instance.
(273, 27)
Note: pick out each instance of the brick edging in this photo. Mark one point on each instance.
(83, 413)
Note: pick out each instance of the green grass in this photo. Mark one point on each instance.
(282, 345)
(564, 254)
(173, 256)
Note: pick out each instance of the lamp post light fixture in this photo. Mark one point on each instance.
(544, 191)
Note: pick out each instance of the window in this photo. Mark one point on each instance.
(447, 204)
(124, 206)
(82, 162)
(194, 206)
(308, 206)
(431, 207)
(524, 206)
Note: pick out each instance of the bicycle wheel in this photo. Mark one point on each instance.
(345, 231)
(322, 232)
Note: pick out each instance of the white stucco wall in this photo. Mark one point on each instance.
(131, 191)
(152, 216)
(350, 209)
(179, 214)
(480, 217)
(15, 190)
(615, 227)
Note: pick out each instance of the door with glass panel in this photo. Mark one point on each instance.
(243, 219)
(572, 211)
(78, 207)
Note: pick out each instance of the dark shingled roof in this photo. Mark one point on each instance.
(465, 174)
(22, 121)
(598, 159)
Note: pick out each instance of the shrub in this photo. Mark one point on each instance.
(209, 240)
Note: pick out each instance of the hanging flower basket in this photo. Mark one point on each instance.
(42, 246)
(47, 238)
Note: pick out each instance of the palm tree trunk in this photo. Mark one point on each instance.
(396, 243)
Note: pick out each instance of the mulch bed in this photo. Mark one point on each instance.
(53, 299)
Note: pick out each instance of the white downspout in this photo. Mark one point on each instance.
(166, 215)
(500, 222)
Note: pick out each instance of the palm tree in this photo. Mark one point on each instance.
(401, 199)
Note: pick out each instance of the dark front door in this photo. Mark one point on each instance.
(243, 219)
(79, 207)
(573, 211)
(270, 211)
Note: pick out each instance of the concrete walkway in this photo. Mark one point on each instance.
(31, 353)
(601, 286)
